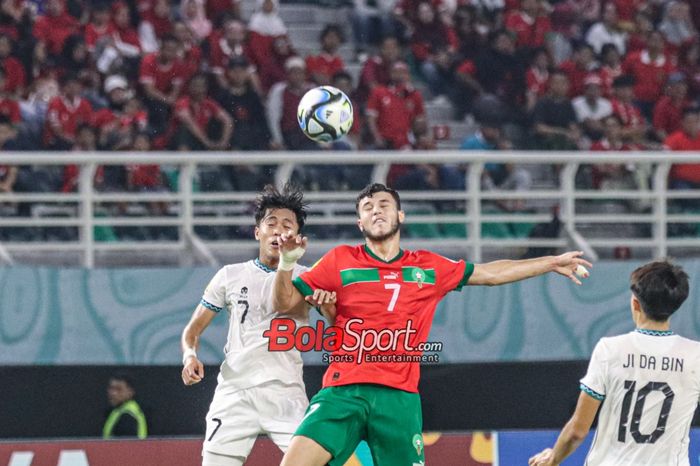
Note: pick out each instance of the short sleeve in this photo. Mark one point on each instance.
(214, 297)
(593, 383)
(322, 275)
(451, 275)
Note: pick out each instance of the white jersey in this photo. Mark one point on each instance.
(650, 383)
(245, 291)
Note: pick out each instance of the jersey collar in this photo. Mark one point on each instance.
(654, 333)
(374, 256)
(262, 266)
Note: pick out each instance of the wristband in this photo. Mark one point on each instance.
(189, 352)
(288, 259)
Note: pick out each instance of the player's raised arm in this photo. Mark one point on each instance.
(285, 297)
(508, 271)
(193, 369)
(573, 433)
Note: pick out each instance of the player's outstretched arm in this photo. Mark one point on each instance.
(571, 436)
(285, 297)
(509, 271)
(325, 302)
(193, 369)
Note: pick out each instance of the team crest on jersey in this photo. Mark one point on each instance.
(418, 275)
(417, 443)
(244, 291)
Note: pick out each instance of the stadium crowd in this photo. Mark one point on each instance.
(597, 75)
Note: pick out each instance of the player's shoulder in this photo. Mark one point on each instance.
(425, 255)
(345, 250)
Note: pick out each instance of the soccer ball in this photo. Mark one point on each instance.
(325, 114)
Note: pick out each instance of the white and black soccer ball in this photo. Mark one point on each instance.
(325, 114)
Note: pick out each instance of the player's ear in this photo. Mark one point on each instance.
(257, 232)
(635, 304)
(359, 225)
(402, 216)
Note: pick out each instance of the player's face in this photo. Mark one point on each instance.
(379, 217)
(275, 222)
(118, 392)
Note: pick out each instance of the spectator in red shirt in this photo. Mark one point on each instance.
(123, 116)
(611, 68)
(377, 70)
(162, 78)
(99, 30)
(686, 176)
(627, 9)
(272, 70)
(392, 110)
(537, 77)
(650, 69)
(9, 108)
(144, 178)
(634, 126)
(55, 26)
(321, 68)
(201, 124)
(231, 43)
(640, 30)
(582, 63)
(669, 110)
(155, 23)
(65, 114)
(15, 75)
(265, 26)
(190, 54)
(218, 10)
(529, 24)
(282, 103)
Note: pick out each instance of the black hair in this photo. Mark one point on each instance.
(371, 189)
(68, 77)
(123, 377)
(169, 37)
(625, 80)
(290, 198)
(691, 110)
(660, 287)
(606, 48)
(342, 75)
(332, 29)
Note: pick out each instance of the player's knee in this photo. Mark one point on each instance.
(304, 451)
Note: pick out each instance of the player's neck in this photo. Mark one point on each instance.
(385, 250)
(652, 325)
(269, 262)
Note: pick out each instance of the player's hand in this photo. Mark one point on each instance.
(543, 458)
(193, 372)
(325, 301)
(289, 242)
(567, 263)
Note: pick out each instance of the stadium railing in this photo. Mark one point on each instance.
(473, 220)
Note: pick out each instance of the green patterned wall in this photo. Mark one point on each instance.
(135, 316)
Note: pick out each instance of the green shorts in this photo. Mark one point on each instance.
(390, 420)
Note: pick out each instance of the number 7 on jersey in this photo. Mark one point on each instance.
(396, 288)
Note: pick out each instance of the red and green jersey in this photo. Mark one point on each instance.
(382, 298)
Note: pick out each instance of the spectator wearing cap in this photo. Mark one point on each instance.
(55, 26)
(554, 117)
(607, 31)
(668, 111)
(591, 108)
(687, 138)
(162, 77)
(9, 108)
(393, 109)
(377, 69)
(282, 103)
(121, 117)
(650, 69)
(530, 24)
(66, 112)
(240, 99)
(634, 126)
(15, 75)
(199, 123)
(581, 64)
(321, 68)
(610, 68)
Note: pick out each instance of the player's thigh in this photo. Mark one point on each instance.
(304, 451)
(232, 424)
(281, 408)
(336, 420)
(213, 459)
(394, 428)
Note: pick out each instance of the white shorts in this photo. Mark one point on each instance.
(236, 417)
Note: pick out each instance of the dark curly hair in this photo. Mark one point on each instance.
(290, 198)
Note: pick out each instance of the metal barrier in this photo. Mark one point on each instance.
(585, 224)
